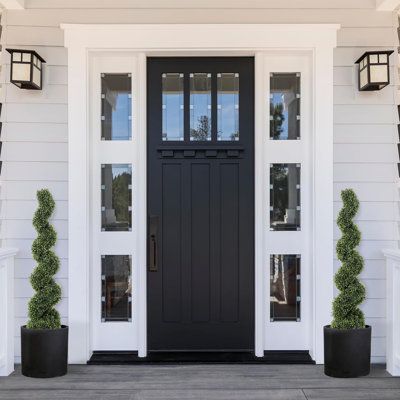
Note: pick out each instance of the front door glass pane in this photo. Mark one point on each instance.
(285, 197)
(228, 106)
(172, 106)
(200, 106)
(285, 287)
(116, 288)
(285, 106)
(116, 197)
(116, 106)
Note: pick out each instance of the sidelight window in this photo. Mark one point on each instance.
(285, 287)
(116, 106)
(285, 197)
(116, 288)
(284, 106)
(116, 197)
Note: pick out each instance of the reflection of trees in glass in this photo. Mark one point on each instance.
(235, 136)
(277, 120)
(121, 196)
(203, 129)
(279, 178)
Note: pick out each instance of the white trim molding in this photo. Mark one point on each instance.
(387, 5)
(392, 311)
(13, 4)
(143, 40)
(7, 310)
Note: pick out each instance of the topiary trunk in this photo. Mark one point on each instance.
(42, 314)
(346, 314)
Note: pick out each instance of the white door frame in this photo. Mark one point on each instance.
(317, 40)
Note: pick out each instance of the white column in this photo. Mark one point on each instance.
(392, 311)
(7, 311)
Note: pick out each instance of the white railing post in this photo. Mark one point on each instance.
(392, 311)
(7, 310)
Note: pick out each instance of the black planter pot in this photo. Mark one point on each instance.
(347, 352)
(44, 352)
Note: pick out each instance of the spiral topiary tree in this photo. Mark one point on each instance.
(346, 314)
(42, 314)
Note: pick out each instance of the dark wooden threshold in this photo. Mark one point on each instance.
(201, 357)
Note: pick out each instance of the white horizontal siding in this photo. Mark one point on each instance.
(24, 209)
(26, 190)
(373, 269)
(373, 211)
(365, 172)
(33, 112)
(34, 131)
(24, 267)
(14, 229)
(37, 132)
(36, 151)
(24, 246)
(365, 133)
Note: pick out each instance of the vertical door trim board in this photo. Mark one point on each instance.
(184, 40)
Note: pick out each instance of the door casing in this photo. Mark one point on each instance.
(86, 42)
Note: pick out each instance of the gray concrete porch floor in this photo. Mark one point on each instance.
(195, 382)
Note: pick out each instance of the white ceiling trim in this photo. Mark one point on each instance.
(387, 5)
(13, 4)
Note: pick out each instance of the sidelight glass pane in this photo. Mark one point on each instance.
(116, 106)
(228, 106)
(116, 197)
(285, 287)
(285, 106)
(284, 197)
(200, 106)
(172, 106)
(116, 288)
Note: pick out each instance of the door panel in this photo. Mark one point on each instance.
(201, 188)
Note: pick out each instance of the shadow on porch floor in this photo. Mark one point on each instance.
(205, 382)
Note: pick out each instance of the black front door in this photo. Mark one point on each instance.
(200, 114)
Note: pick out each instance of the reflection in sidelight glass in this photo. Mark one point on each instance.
(116, 288)
(284, 197)
(116, 197)
(285, 106)
(116, 106)
(228, 106)
(285, 287)
(172, 106)
(200, 106)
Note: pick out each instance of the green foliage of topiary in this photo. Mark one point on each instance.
(346, 314)
(42, 314)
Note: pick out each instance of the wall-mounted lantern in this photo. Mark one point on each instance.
(26, 69)
(373, 70)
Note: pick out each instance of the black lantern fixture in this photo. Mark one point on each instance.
(26, 69)
(373, 70)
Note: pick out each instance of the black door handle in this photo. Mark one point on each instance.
(153, 249)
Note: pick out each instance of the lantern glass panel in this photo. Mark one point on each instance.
(364, 77)
(383, 58)
(379, 73)
(36, 76)
(21, 72)
(16, 56)
(26, 57)
(373, 58)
